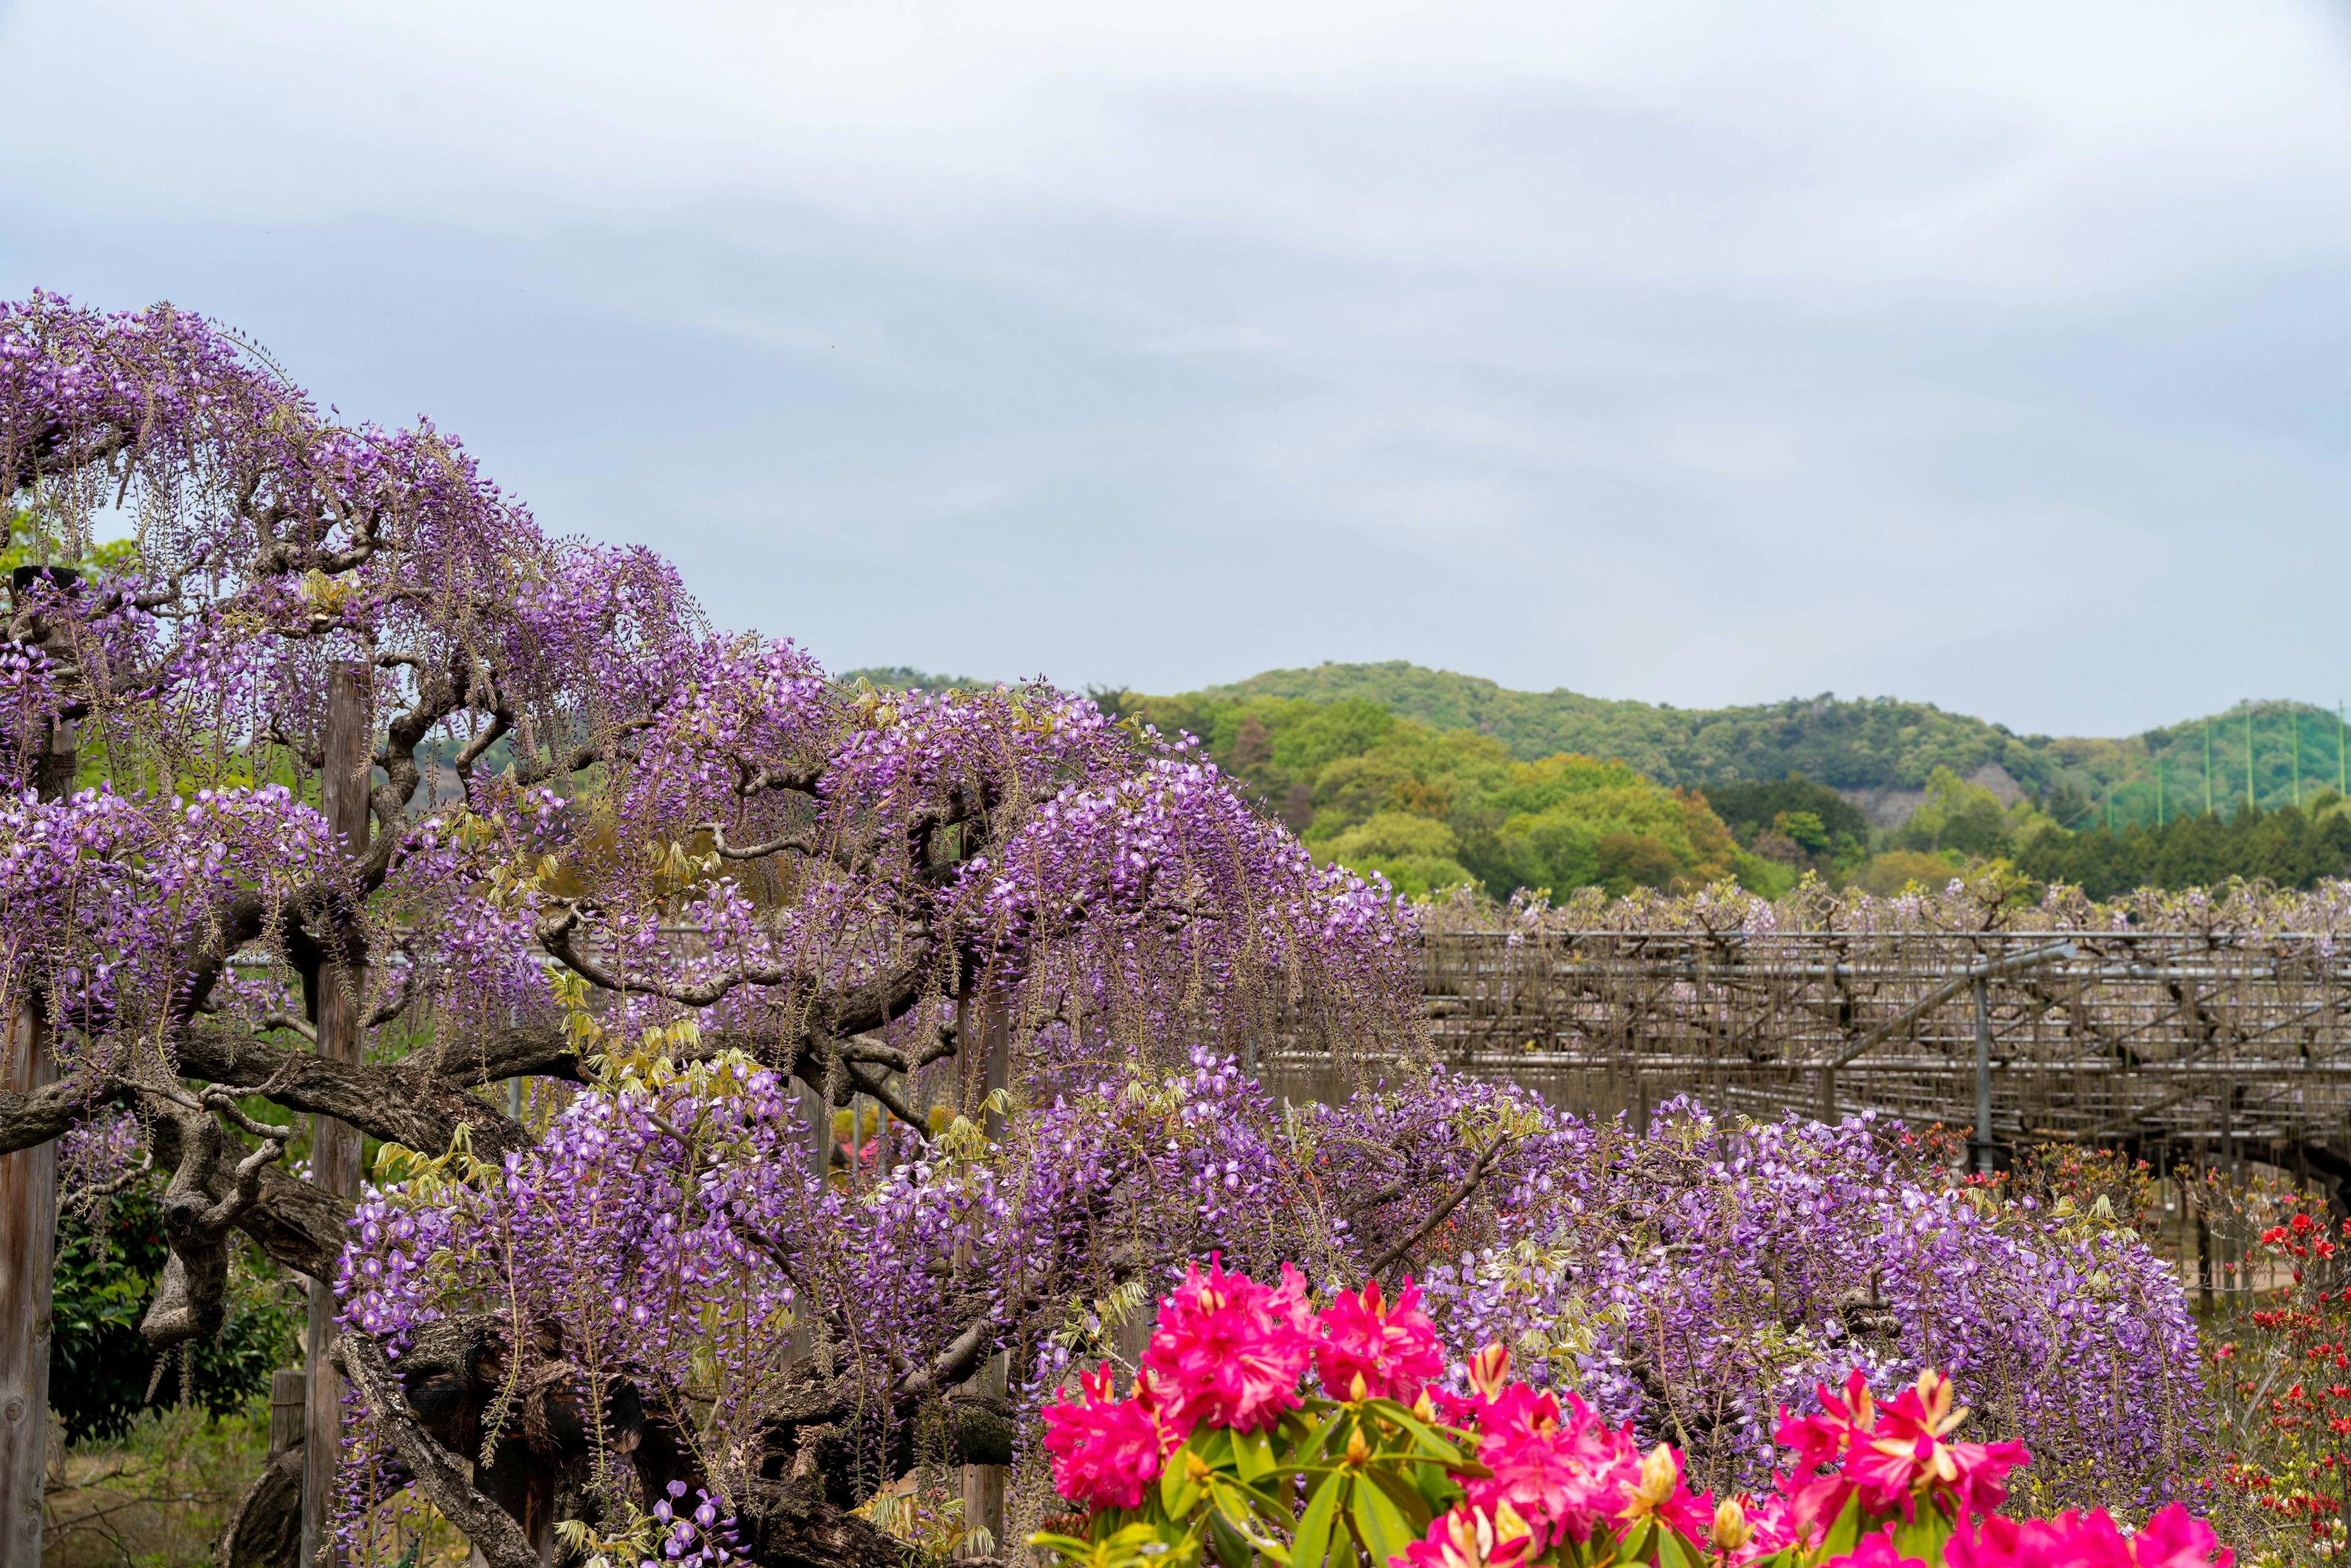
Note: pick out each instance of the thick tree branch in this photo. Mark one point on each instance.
(406, 1102)
(29, 1120)
(442, 1475)
(1470, 1184)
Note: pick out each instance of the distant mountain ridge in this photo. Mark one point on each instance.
(1875, 750)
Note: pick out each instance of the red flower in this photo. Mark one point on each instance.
(1391, 1348)
(1230, 1351)
(1107, 1450)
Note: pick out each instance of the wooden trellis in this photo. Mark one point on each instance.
(2193, 1030)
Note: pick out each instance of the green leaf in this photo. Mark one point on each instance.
(1923, 1537)
(1232, 1548)
(1178, 1493)
(1673, 1551)
(1253, 1456)
(1313, 1542)
(1840, 1539)
(1405, 1495)
(1304, 1454)
(1240, 1500)
(1213, 1443)
(1438, 1490)
(1635, 1540)
(1379, 1524)
(1425, 1434)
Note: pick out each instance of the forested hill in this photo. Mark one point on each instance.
(1857, 745)
(1870, 744)
(1854, 744)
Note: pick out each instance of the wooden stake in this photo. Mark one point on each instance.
(335, 1145)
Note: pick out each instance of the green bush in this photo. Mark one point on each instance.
(100, 1367)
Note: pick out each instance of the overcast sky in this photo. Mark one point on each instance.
(1993, 354)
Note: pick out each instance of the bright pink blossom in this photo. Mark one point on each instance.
(1107, 1450)
(2172, 1539)
(1772, 1524)
(1470, 1538)
(1898, 1452)
(1564, 1477)
(1230, 1351)
(1391, 1346)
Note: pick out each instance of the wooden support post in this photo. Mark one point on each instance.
(983, 1508)
(985, 1031)
(28, 1245)
(996, 1028)
(2203, 1255)
(288, 1409)
(820, 1120)
(335, 1145)
(29, 1227)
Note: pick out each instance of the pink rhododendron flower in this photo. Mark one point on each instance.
(1470, 1538)
(1564, 1477)
(1230, 1351)
(1391, 1346)
(1105, 1449)
(1897, 1452)
(2172, 1539)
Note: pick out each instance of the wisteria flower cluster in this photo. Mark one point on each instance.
(1223, 1450)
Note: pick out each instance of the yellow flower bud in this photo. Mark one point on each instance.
(1660, 1476)
(1731, 1530)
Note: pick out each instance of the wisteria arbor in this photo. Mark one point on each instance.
(554, 768)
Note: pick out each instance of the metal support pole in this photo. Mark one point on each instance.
(335, 1145)
(1983, 1077)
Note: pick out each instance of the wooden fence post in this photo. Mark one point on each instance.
(335, 1145)
(28, 1245)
